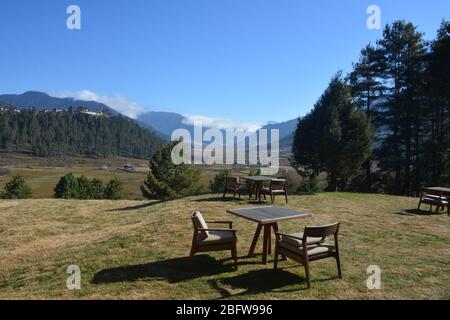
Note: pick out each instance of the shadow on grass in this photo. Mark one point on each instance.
(137, 207)
(216, 199)
(172, 270)
(256, 282)
(417, 212)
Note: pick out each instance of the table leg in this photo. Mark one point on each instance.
(275, 230)
(269, 240)
(258, 192)
(255, 240)
(265, 243)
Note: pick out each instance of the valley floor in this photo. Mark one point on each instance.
(138, 250)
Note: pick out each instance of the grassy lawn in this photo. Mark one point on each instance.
(136, 250)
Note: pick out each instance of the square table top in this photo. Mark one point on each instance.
(439, 189)
(265, 215)
(257, 178)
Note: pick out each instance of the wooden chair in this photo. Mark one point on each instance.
(233, 185)
(434, 199)
(277, 187)
(207, 240)
(309, 246)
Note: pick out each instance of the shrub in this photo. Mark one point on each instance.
(71, 187)
(310, 184)
(67, 187)
(218, 184)
(84, 188)
(97, 190)
(16, 188)
(113, 190)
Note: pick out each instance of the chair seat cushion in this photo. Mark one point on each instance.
(267, 191)
(216, 237)
(200, 223)
(435, 200)
(314, 249)
(298, 243)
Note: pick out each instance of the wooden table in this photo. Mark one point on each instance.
(267, 217)
(440, 191)
(257, 185)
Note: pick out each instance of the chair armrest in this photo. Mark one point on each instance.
(230, 223)
(215, 229)
(288, 235)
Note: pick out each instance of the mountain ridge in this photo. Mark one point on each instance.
(163, 123)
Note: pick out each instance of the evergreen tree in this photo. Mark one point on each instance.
(166, 180)
(436, 149)
(74, 133)
(401, 51)
(366, 89)
(218, 184)
(113, 190)
(334, 137)
(16, 188)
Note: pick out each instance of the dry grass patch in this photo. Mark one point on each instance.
(137, 250)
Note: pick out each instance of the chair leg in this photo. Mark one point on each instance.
(275, 261)
(308, 280)
(273, 198)
(191, 255)
(418, 207)
(285, 195)
(338, 262)
(234, 255)
(224, 193)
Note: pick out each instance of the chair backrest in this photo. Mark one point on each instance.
(322, 231)
(277, 184)
(199, 223)
(232, 182)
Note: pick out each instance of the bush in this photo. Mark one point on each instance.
(97, 190)
(310, 184)
(71, 187)
(166, 181)
(67, 187)
(218, 184)
(16, 188)
(113, 190)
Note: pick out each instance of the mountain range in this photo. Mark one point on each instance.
(163, 123)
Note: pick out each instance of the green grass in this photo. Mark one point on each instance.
(138, 250)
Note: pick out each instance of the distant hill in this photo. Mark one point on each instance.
(164, 122)
(286, 128)
(74, 133)
(40, 101)
(167, 122)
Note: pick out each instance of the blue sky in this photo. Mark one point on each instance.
(250, 61)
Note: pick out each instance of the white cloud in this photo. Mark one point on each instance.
(119, 103)
(132, 109)
(220, 123)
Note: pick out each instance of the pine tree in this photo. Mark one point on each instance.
(401, 53)
(366, 90)
(334, 137)
(166, 180)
